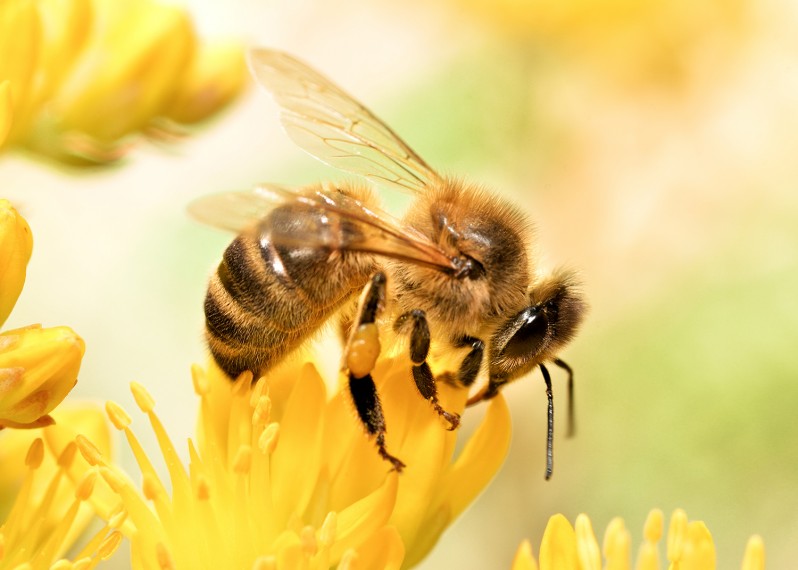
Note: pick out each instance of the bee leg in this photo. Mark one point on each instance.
(360, 354)
(469, 367)
(571, 415)
(419, 349)
(493, 387)
(369, 410)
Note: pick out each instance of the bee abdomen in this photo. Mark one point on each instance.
(265, 300)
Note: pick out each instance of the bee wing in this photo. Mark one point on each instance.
(347, 224)
(237, 210)
(335, 128)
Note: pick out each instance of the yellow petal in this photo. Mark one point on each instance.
(294, 474)
(524, 560)
(6, 113)
(481, 457)
(47, 515)
(754, 558)
(67, 25)
(616, 545)
(20, 39)
(149, 46)
(16, 244)
(383, 549)
(358, 521)
(216, 75)
(558, 548)
(587, 545)
(38, 368)
(699, 549)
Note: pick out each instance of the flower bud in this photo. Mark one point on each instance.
(16, 243)
(38, 368)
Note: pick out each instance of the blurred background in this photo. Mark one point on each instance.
(652, 143)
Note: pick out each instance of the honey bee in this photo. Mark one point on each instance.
(456, 269)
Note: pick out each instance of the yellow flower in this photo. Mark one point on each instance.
(50, 485)
(86, 74)
(5, 110)
(637, 42)
(689, 546)
(280, 474)
(38, 366)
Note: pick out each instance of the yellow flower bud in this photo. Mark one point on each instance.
(6, 111)
(150, 46)
(20, 43)
(16, 243)
(217, 74)
(38, 368)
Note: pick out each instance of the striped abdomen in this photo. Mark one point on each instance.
(271, 292)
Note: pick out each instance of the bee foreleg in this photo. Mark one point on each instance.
(489, 391)
(419, 349)
(469, 367)
(360, 356)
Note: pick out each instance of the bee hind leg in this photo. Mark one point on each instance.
(416, 320)
(360, 357)
(369, 410)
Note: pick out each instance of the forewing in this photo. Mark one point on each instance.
(236, 210)
(340, 222)
(335, 128)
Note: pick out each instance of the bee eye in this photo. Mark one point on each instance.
(528, 338)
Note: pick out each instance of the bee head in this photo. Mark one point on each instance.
(538, 332)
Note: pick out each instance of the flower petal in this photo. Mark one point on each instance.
(383, 549)
(699, 550)
(359, 521)
(294, 474)
(38, 368)
(558, 548)
(16, 244)
(6, 115)
(149, 45)
(754, 558)
(524, 560)
(216, 75)
(481, 457)
(20, 40)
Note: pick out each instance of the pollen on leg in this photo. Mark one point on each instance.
(364, 348)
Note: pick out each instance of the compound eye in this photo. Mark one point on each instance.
(527, 339)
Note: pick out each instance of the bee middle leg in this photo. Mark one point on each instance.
(360, 354)
(419, 349)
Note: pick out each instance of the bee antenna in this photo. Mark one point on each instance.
(571, 414)
(550, 423)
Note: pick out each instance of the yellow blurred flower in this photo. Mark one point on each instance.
(664, 43)
(5, 110)
(83, 75)
(689, 546)
(281, 475)
(43, 490)
(38, 366)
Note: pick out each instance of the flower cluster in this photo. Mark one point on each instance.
(38, 366)
(49, 488)
(281, 474)
(78, 77)
(689, 546)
